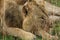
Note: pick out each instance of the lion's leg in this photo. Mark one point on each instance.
(45, 35)
(19, 33)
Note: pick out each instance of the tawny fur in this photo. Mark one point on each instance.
(36, 22)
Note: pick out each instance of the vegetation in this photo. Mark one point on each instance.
(55, 2)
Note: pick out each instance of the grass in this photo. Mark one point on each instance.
(54, 2)
(9, 37)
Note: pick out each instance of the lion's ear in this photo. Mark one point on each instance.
(25, 11)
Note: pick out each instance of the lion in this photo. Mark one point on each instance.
(28, 17)
(37, 20)
(12, 20)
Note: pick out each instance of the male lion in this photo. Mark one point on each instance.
(31, 19)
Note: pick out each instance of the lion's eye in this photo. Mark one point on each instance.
(42, 18)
